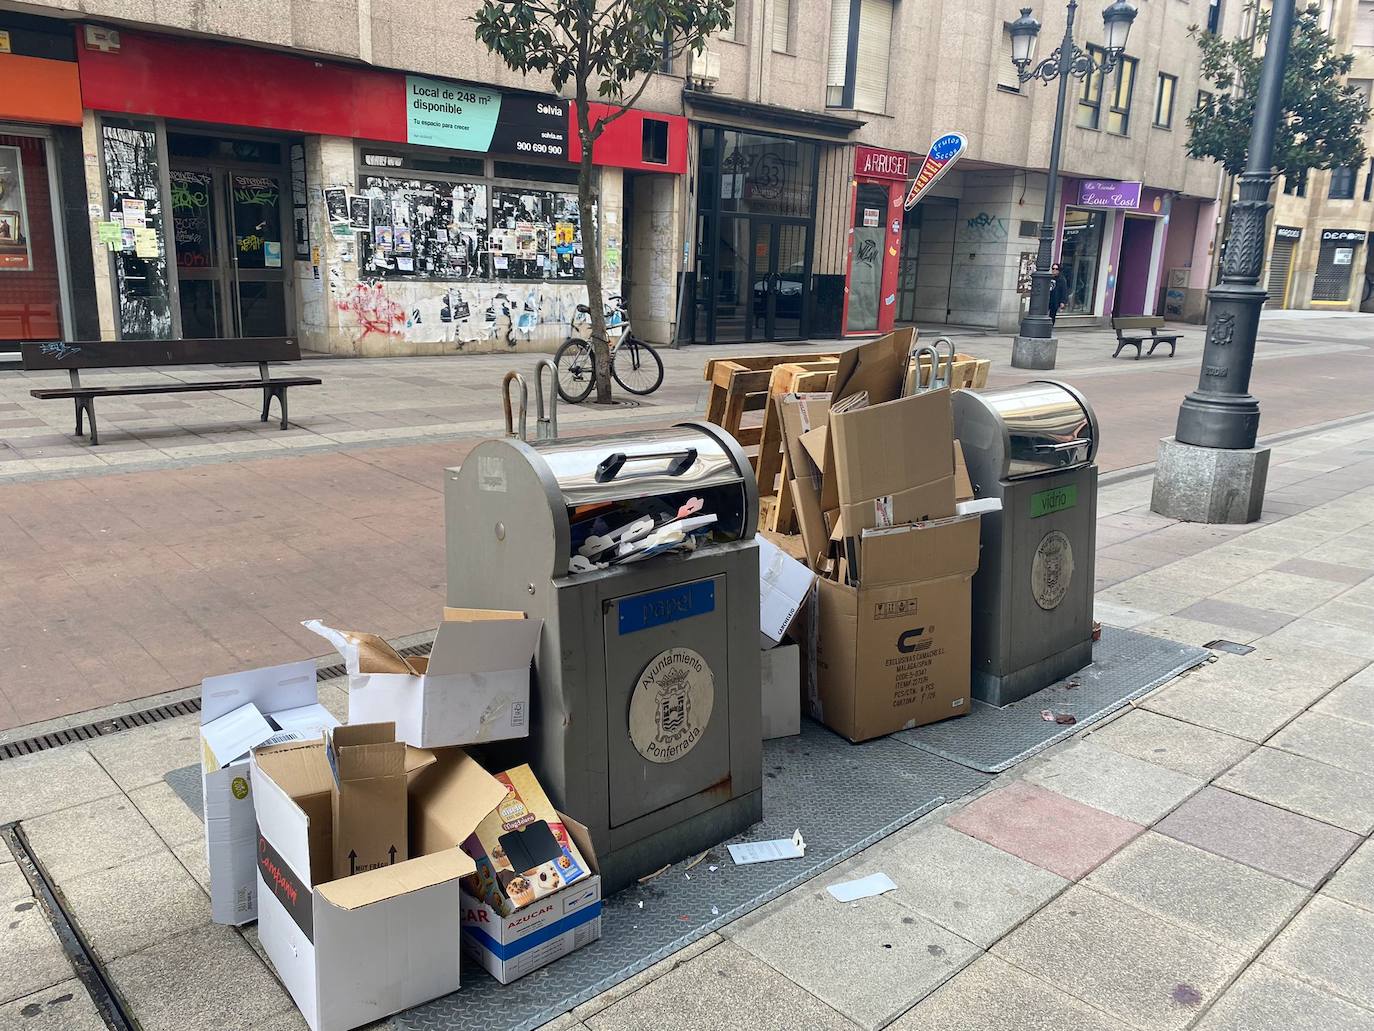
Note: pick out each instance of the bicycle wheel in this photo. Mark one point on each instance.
(637, 367)
(576, 370)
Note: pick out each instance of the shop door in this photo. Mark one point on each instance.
(907, 265)
(30, 281)
(228, 229)
(779, 281)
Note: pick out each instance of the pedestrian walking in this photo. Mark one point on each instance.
(1059, 291)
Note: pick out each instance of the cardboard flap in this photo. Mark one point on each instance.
(484, 646)
(417, 759)
(271, 687)
(389, 881)
(887, 448)
(878, 367)
(452, 613)
(963, 487)
(925, 551)
(365, 750)
(362, 653)
(582, 838)
(814, 443)
(299, 769)
(449, 799)
(233, 735)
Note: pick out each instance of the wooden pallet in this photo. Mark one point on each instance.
(771, 466)
(740, 385)
(970, 373)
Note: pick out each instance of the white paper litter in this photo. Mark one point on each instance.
(863, 888)
(768, 851)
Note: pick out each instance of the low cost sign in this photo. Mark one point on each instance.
(946, 150)
(473, 118)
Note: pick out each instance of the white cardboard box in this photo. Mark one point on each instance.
(512, 946)
(781, 690)
(784, 584)
(353, 950)
(473, 687)
(232, 722)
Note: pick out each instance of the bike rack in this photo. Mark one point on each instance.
(545, 426)
(524, 404)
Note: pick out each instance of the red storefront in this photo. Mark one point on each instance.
(875, 235)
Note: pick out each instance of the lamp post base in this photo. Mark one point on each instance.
(1209, 485)
(1034, 352)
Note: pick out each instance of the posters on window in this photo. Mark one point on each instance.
(360, 214)
(16, 254)
(336, 203)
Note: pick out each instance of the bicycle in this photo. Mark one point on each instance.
(635, 365)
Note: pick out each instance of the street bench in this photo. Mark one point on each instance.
(78, 355)
(1130, 333)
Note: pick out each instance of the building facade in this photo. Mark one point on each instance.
(1317, 253)
(373, 187)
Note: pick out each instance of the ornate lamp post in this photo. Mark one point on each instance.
(1035, 345)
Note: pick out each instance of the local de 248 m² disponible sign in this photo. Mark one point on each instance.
(473, 118)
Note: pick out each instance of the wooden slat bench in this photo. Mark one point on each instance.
(78, 355)
(1130, 333)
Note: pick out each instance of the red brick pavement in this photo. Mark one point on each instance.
(120, 586)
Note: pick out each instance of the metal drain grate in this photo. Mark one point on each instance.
(337, 669)
(57, 738)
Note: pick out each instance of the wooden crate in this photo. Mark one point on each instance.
(771, 466)
(970, 373)
(740, 385)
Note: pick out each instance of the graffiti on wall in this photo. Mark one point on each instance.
(984, 226)
(373, 311)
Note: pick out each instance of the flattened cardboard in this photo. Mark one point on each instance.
(896, 655)
(352, 951)
(508, 947)
(878, 367)
(963, 488)
(230, 834)
(933, 500)
(784, 584)
(799, 414)
(887, 448)
(449, 799)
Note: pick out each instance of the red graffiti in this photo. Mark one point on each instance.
(375, 312)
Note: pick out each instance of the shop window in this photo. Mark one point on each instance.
(534, 173)
(133, 201)
(1079, 254)
(866, 257)
(1164, 101)
(253, 152)
(1335, 261)
(1342, 185)
(782, 26)
(654, 142)
(767, 175)
(30, 287)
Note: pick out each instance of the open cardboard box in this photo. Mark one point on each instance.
(356, 949)
(474, 686)
(239, 712)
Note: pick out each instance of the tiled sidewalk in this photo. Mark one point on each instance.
(1200, 861)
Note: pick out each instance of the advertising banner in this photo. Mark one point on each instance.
(946, 150)
(481, 120)
(1108, 193)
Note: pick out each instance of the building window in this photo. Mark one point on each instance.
(1335, 261)
(1090, 98)
(782, 26)
(1364, 24)
(857, 61)
(1204, 99)
(1119, 114)
(1214, 16)
(1342, 184)
(654, 142)
(1164, 101)
(1295, 185)
(1007, 79)
(1369, 181)
(1119, 92)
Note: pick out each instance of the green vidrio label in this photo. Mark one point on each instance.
(1055, 500)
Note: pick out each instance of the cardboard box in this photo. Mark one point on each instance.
(368, 797)
(355, 950)
(238, 712)
(512, 946)
(522, 850)
(782, 690)
(474, 685)
(801, 413)
(894, 652)
(784, 585)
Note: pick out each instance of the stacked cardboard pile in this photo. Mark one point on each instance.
(372, 853)
(881, 496)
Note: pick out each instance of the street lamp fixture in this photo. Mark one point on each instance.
(1035, 346)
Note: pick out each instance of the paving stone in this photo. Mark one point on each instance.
(1045, 828)
(1329, 739)
(92, 836)
(1263, 999)
(891, 958)
(192, 856)
(633, 984)
(1244, 714)
(1282, 592)
(1333, 571)
(171, 818)
(1352, 700)
(1314, 632)
(1331, 945)
(206, 978)
(31, 957)
(975, 890)
(142, 756)
(1314, 789)
(724, 987)
(1140, 969)
(1123, 615)
(1118, 784)
(48, 781)
(1195, 751)
(1354, 881)
(1236, 906)
(1190, 631)
(1290, 668)
(63, 1007)
(1229, 613)
(113, 910)
(990, 995)
(1263, 836)
(1344, 612)
(14, 886)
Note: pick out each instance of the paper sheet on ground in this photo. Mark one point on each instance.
(767, 851)
(863, 888)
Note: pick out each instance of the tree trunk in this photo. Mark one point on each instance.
(590, 214)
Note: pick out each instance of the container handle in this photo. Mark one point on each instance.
(510, 377)
(1064, 445)
(679, 462)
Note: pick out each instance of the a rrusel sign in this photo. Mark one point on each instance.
(946, 150)
(877, 163)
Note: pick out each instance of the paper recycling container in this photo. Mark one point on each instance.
(646, 718)
(1033, 447)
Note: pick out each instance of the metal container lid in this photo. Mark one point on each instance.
(1038, 427)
